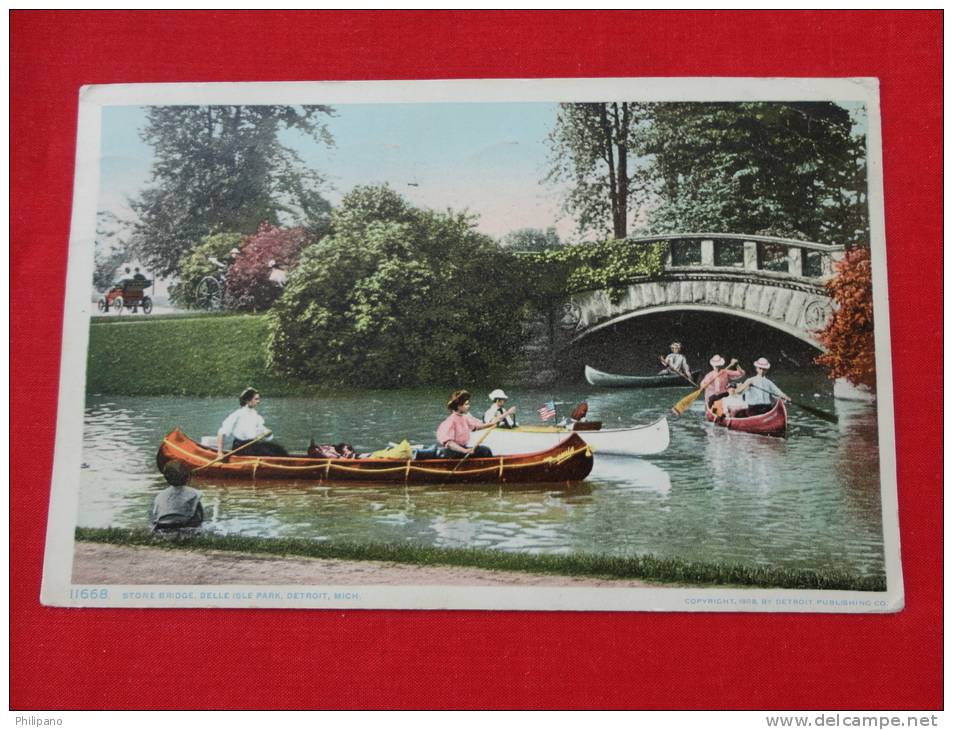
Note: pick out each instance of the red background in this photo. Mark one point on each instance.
(268, 658)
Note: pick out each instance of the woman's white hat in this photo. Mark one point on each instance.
(762, 363)
(717, 361)
(498, 394)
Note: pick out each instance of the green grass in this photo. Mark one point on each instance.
(182, 355)
(648, 568)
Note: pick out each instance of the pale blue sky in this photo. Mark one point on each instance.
(487, 158)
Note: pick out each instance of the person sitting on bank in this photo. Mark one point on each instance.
(177, 505)
(715, 382)
(454, 431)
(508, 419)
(676, 362)
(245, 425)
(760, 392)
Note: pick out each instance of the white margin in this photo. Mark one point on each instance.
(64, 497)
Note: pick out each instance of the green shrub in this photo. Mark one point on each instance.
(196, 265)
(398, 297)
(581, 267)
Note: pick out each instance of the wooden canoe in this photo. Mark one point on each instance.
(772, 423)
(652, 438)
(610, 380)
(568, 461)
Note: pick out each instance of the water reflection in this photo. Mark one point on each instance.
(808, 500)
(632, 474)
(741, 460)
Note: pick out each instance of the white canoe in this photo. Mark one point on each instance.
(635, 441)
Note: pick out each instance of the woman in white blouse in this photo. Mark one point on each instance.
(246, 424)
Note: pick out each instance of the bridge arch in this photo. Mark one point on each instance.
(708, 308)
(775, 281)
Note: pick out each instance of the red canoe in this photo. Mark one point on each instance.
(568, 461)
(772, 423)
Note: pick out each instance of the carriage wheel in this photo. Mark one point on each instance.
(146, 305)
(208, 294)
(117, 305)
(101, 305)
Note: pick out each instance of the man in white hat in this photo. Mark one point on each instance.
(715, 383)
(498, 409)
(761, 392)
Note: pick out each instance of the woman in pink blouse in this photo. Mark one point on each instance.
(454, 432)
(715, 382)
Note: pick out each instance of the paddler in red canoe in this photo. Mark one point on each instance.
(715, 383)
(761, 391)
(247, 429)
(454, 431)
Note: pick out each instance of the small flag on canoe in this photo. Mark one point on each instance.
(548, 411)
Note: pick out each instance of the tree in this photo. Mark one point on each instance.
(199, 263)
(741, 167)
(397, 296)
(109, 250)
(531, 239)
(849, 335)
(592, 147)
(249, 284)
(224, 168)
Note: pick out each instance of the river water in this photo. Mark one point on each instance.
(811, 500)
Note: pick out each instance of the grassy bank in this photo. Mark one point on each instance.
(646, 568)
(193, 354)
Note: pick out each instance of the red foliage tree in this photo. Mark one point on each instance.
(849, 335)
(251, 279)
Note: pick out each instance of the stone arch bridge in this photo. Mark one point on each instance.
(778, 282)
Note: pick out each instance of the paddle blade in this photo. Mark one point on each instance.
(823, 415)
(680, 407)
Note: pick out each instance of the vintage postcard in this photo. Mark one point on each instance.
(560, 344)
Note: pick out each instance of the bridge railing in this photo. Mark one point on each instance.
(727, 252)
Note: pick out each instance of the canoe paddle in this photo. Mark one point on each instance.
(823, 415)
(233, 451)
(482, 439)
(677, 372)
(680, 407)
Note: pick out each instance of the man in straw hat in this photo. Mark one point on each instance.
(761, 392)
(454, 432)
(715, 383)
(499, 398)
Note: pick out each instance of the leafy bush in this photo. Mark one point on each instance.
(248, 286)
(849, 335)
(398, 297)
(608, 265)
(196, 265)
(531, 239)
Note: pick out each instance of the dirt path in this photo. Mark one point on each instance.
(97, 563)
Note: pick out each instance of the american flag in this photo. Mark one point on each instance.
(548, 411)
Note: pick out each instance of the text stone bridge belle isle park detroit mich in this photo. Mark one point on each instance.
(778, 282)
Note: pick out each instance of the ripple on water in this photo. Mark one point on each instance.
(811, 500)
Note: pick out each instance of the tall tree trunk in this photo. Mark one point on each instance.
(609, 155)
(620, 221)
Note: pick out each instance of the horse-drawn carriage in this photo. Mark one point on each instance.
(127, 294)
